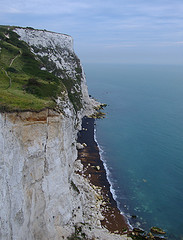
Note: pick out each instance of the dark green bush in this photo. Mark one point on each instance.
(9, 47)
(78, 70)
(11, 69)
(40, 89)
(33, 81)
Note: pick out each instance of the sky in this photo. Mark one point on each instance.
(107, 31)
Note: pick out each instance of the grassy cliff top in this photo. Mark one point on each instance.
(31, 28)
(23, 85)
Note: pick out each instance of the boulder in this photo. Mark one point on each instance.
(79, 146)
(157, 230)
(98, 168)
(139, 230)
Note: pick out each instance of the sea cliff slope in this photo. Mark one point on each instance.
(43, 193)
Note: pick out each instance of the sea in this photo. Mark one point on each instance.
(141, 140)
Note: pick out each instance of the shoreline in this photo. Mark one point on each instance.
(95, 171)
(112, 190)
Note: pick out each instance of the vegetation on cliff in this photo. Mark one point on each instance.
(23, 85)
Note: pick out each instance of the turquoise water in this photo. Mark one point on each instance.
(142, 139)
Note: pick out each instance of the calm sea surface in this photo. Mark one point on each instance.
(142, 139)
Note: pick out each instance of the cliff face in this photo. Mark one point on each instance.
(40, 192)
(39, 197)
(43, 194)
(36, 151)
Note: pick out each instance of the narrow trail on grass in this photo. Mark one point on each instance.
(18, 55)
(10, 80)
(12, 61)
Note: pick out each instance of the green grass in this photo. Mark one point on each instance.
(30, 88)
(23, 85)
(13, 100)
(5, 57)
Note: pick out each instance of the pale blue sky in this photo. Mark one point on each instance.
(114, 31)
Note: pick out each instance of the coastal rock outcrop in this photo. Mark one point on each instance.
(42, 195)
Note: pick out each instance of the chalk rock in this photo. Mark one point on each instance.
(79, 146)
(84, 145)
(78, 165)
(98, 168)
(37, 160)
(100, 217)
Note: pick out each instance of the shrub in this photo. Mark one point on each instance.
(78, 70)
(33, 81)
(11, 69)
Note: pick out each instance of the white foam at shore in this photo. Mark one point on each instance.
(101, 151)
(112, 190)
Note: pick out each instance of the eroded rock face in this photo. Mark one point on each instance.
(36, 158)
(37, 154)
(42, 196)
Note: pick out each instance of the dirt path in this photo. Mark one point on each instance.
(15, 58)
(10, 80)
(12, 61)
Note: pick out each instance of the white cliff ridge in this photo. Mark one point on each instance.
(42, 196)
(56, 52)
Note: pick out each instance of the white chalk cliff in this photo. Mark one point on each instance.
(42, 196)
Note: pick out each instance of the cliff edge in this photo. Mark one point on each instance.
(43, 193)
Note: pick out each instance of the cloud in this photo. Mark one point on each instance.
(43, 6)
(13, 10)
(181, 42)
(108, 25)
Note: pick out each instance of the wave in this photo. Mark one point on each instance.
(101, 151)
(112, 190)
